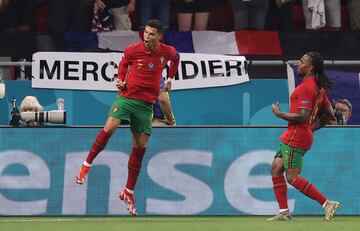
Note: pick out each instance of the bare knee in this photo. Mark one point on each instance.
(140, 140)
(111, 125)
(291, 175)
(290, 179)
(277, 169)
(110, 129)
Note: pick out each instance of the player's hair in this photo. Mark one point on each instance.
(30, 103)
(317, 62)
(346, 102)
(156, 24)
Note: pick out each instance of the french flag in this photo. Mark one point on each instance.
(207, 42)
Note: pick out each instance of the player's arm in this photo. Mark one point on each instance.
(174, 64)
(324, 119)
(302, 116)
(120, 82)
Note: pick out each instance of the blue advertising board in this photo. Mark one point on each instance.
(186, 171)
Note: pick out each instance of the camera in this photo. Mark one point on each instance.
(54, 116)
(339, 117)
(15, 115)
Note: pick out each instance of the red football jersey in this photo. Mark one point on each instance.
(306, 95)
(142, 70)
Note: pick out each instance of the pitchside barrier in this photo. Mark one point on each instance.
(242, 104)
(186, 171)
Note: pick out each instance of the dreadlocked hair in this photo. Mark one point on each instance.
(317, 62)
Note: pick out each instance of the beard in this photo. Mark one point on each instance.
(301, 74)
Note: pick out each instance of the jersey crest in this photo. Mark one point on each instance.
(150, 66)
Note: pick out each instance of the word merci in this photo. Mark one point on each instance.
(97, 71)
(59, 192)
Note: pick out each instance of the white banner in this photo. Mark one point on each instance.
(97, 71)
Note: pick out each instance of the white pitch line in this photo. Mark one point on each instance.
(75, 219)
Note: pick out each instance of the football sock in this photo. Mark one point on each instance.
(129, 191)
(99, 144)
(86, 164)
(280, 191)
(134, 166)
(325, 203)
(309, 190)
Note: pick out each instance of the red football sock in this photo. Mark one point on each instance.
(99, 144)
(309, 190)
(280, 191)
(134, 166)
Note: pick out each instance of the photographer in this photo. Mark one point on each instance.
(342, 110)
(31, 104)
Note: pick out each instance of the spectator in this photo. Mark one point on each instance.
(354, 13)
(280, 15)
(322, 13)
(343, 110)
(154, 9)
(31, 103)
(19, 15)
(3, 4)
(249, 14)
(186, 9)
(68, 15)
(163, 114)
(102, 20)
(120, 10)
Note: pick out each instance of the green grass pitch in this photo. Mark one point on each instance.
(177, 223)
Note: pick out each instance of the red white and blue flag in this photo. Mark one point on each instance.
(206, 42)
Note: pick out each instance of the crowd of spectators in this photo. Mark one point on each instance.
(182, 15)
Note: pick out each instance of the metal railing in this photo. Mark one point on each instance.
(23, 63)
(283, 62)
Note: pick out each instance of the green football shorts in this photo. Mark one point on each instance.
(137, 112)
(293, 157)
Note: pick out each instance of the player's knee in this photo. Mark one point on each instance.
(290, 179)
(110, 129)
(139, 145)
(276, 169)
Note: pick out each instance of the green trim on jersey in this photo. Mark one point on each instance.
(137, 112)
(293, 157)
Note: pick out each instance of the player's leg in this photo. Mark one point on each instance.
(312, 192)
(99, 144)
(295, 162)
(140, 122)
(280, 186)
(301, 184)
(118, 112)
(134, 167)
(135, 159)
